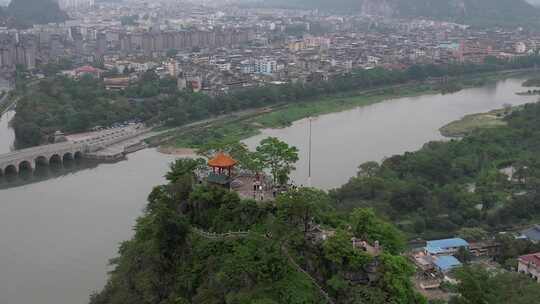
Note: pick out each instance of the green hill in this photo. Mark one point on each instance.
(29, 12)
(184, 252)
(474, 12)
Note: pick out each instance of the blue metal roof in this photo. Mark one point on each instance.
(438, 246)
(533, 233)
(447, 262)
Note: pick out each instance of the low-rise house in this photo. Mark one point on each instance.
(116, 83)
(446, 263)
(445, 246)
(88, 70)
(485, 248)
(530, 265)
(532, 234)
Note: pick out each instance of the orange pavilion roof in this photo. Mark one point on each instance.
(221, 160)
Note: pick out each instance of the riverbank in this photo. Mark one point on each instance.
(7, 103)
(470, 123)
(241, 126)
(177, 151)
(341, 141)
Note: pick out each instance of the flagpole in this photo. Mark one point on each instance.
(309, 155)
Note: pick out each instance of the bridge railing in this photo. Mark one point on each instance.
(36, 151)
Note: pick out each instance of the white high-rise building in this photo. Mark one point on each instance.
(75, 4)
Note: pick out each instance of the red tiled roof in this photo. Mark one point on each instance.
(87, 69)
(531, 258)
(222, 161)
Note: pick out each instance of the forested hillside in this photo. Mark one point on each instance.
(25, 13)
(182, 251)
(475, 12)
(490, 179)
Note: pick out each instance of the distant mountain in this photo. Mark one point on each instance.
(475, 12)
(534, 2)
(469, 11)
(29, 12)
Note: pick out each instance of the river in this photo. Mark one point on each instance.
(342, 141)
(57, 234)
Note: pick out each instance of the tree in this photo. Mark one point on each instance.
(182, 167)
(339, 250)
(464, 255)
(368, 169)
(279, 157)
(171, 53)
(478, 286)
(473, 234)
(302, 207)
(396, 279)
(28, 134)
(368, 226)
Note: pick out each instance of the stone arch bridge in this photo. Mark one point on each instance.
(43, 155)
(29, 159)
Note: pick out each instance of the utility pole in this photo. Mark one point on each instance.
(309, 155)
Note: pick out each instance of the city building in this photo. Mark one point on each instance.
(75, 4)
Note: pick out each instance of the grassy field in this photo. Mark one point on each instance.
(469, 123)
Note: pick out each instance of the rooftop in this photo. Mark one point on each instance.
(87, 69)
(447, 262)
(532, 233)
(438, 246)
(531, 258)
(222, 161)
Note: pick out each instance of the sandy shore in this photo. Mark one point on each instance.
(177, 151)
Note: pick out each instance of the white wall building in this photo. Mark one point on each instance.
(530, 265)
(265, 66)
(75, 4)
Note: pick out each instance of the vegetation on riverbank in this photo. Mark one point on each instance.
(69, 106)
(446, 186)
(473, 122)
(44, 109)
(237, 128)
(533, 82)
(182, 251)
(286, 115)
(243, 126)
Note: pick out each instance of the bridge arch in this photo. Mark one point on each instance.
(67, 156)
(41, 161)
(10, 169)
(25, 165)
(55, 159)
(77, 155)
